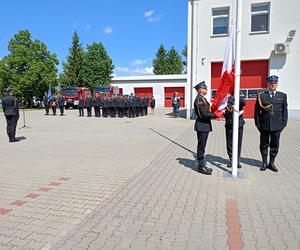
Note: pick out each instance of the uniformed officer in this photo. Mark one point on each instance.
(61, 103)
(89, 105)
(131, 101)
(11, 111)
(229, 127)
(53, 103)
(203, 124)
(81, 106)
(46, 103)
(97, 103)
(271, 116)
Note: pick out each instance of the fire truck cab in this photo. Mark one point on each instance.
(104, 91)
(71, 95)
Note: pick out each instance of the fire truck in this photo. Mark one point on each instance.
(104, 91)
(71, 95)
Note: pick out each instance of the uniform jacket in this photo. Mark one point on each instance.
(271, 114)
(61, 101)
(81, 103)
(229, 112)
(204, 116)
(10, 106)
(89, 102)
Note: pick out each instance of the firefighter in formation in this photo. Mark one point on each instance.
(115, 106)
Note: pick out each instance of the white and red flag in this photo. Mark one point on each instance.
(226, 86)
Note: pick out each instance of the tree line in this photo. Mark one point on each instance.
(29, 67)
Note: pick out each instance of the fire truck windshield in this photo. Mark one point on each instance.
(70, 92)
(102, 89)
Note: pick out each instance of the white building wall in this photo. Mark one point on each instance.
(157, 82)
(284, 16)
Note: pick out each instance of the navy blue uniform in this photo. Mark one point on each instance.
(202, 124)
(271, 116)
(229, 126)
(11, 111)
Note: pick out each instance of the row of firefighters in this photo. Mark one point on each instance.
(112, 106)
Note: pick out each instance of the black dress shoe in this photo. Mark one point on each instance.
(239, 165)
(14, 140)
(205, 170)
(264, 166)
(272, 167)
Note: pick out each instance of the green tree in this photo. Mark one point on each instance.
(174, 62)
(72, 70)
(29, 68)
(160, 61)
(97, 66)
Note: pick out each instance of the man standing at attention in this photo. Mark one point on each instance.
(11, 111)
(271, 116)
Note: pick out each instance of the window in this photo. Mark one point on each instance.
(220, 21)
(252, 93)
(260, 17)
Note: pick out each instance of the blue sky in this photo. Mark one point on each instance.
(131, 30)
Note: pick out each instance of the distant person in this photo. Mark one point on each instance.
(46, 103)
(81, 106)
(271, 117)
(61, 103)
(152, 105)
(176, 104)
(53, 103)
(89, 105)
(10, 108)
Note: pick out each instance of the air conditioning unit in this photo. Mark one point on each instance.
(281, 48)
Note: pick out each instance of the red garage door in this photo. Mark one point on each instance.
(144, 92)
(169, 91)
(253, 79)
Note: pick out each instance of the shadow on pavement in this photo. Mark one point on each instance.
(21, 138)
(156, 132)
(188, 163)
(217, 161)
(182, 114)
(251, 162)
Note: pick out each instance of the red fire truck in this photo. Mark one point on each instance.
(104, 90)
(71, 95)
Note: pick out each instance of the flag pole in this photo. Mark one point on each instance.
(237, 87)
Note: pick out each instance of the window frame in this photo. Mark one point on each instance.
(219, 16)
(257, 13)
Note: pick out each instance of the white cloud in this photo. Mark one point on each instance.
(108, 30)
(151, 16)
(149, 13)
(138, 62)
(122, 69)
(125, 71)
(144, 71)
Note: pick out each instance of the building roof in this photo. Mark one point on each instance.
(149, 77)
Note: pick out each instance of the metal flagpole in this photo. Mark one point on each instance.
(237, 87)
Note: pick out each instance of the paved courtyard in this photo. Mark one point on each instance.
(105, 183)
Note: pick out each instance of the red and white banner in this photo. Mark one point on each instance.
(226, 86)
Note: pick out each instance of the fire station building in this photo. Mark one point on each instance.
(270, 46)
(161, 87)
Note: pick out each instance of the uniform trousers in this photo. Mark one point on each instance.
(81, 111)
(11, 121)
(229, 136)
(202, 139)
(269, 139)
(62, 109)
